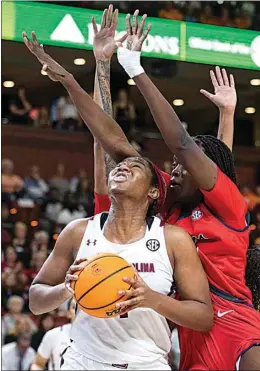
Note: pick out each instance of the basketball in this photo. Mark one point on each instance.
(96, 290)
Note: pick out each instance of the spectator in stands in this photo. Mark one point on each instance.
(46, 323)
(7, 225)
(242, 19)
(36, 187)
(21, 244)
(20, 107)
(22, 324)
(208, 17)
(12, 184)
(43, 119)
(38, 259)
(40, 241)
(18, 355)
(82, 174)
(170, 11)
(251, 198)
(124, 111)
(11, 320)
(59, 181)
(225, 19)
(68, 117)
(71, 210)
(52, 206)
(190, 14)
(84, 196)
(11, 263)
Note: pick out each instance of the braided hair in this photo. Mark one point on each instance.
(219, 153)
(253, 274)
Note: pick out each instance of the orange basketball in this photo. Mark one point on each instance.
(96, 290)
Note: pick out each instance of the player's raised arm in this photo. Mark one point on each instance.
(102, 126)
(51, 286)
(194, 310)
(225, 98)
(103, 50)
(189, 154)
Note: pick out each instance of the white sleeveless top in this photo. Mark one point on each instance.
(144, 336)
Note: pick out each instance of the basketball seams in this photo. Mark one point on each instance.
(104, 279)
(97, 258)
(106, 304)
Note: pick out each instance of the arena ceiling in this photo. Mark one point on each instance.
(184, 81)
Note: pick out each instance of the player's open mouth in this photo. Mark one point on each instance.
(121, 176)
(174, 183)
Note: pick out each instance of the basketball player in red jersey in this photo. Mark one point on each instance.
(222, 242)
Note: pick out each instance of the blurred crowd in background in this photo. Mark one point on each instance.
(241, 14)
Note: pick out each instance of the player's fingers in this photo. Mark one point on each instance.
(75, 268)
(128, 24)
(207, 94)
(114, 21)
(68, 287)
(128, 303)
(213, 79)
(225, 77)
(94, 24)
(109, 15)
(128, 293)
(81, 260)
(145, 34)
(232, 81)
(135, 21)
(130, 280)
(219, 76)
(104, 19)
(141, 27)
(35, 41)
(71, 277)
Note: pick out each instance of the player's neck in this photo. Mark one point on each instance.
(126, 223)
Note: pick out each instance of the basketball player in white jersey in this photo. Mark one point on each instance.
(141, 339)
(54, 344)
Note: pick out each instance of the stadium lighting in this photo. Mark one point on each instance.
(8, 84)
(43, 73)
(250, 110)
(255, 82)
(178, 102)
(131, 82)
(79, 61)
(34, 223)
(13, 211)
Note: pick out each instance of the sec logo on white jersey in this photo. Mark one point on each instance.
(153, 245)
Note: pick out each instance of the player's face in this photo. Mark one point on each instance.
(131, 177)
(182, 184)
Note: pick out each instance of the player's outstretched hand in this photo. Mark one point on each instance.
(104, 42)
(50, 66)
(141, 295)
(224, 90)
(77, 266)
(135, 32)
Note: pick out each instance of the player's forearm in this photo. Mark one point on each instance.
(102, 97)
(44, 298)
(103, 127)
(169, 124)
(226, 126)
(35, 367)
(187, 313)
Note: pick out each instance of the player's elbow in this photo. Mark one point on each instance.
(34, 301)
(207, 319)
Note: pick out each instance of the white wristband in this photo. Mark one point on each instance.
(130, 61)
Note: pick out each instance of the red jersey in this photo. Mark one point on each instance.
(220, 231)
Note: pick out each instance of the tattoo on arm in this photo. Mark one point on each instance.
(103, 80)
(103, 76)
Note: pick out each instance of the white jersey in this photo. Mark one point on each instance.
(143, 336)
(53, 345)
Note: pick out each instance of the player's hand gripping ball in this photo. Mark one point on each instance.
(98, 282)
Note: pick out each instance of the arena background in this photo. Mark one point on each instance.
(53, 153)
